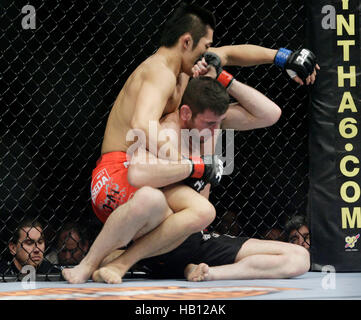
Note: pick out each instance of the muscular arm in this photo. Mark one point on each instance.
(250, 55)
(244, 55)
(253, 109)
(154, 172)
(147, 169)
(154, 93)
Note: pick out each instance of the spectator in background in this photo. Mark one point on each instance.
(72, 245)
(27, 247)
(273, 234)
(297, 231)
(229, 224)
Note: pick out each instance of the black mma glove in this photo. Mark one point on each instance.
(223, 76)
(301, 62)
(206, 169)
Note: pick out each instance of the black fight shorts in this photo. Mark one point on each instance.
(210, 248)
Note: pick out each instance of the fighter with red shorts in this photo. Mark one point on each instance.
(110, 187)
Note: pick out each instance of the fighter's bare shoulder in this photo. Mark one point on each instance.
(156, 70)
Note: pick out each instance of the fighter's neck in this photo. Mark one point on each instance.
(172, 58)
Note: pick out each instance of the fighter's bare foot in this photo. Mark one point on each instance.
(79, 274)
(197, 272)
(110, 274)
(96, 277)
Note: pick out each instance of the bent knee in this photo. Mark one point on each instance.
(298, 261)
(204, 214)
(149, 201)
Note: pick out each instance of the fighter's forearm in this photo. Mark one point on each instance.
(255, 102)
(251, 55)
(158, 174)
(245, 55)
(253, 110)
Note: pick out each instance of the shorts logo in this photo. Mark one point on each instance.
(114, 197)
(351, 241)
(207, 236)
(98, 182)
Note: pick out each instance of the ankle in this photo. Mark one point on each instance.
(89, 264)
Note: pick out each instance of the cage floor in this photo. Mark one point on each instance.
(310, 286)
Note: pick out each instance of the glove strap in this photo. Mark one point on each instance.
(281, 57)
(198, 167)
(225, 79)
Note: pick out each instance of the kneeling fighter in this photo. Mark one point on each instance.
(154, 89)
(229, 258)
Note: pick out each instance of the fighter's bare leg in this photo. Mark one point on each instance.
(193, 213)
(111, 256)
(147, 209)
(260, 259)
(110, 274)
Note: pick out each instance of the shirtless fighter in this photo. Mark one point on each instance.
(236, 119)
(210, 256)
(153, 90)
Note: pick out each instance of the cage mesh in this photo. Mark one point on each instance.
(58, 84)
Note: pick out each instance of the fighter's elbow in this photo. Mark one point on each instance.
(136, 177)
(135, 124)
(276, 114)
(273, 116)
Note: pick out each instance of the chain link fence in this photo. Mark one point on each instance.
(60, 79)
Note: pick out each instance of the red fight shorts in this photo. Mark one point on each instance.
(110, 187)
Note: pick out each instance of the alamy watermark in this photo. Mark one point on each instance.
(192, 142)
(328, 281)
(29, 20)
(29, 279)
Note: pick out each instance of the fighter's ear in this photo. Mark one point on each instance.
(187, 41)
(185, 112)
